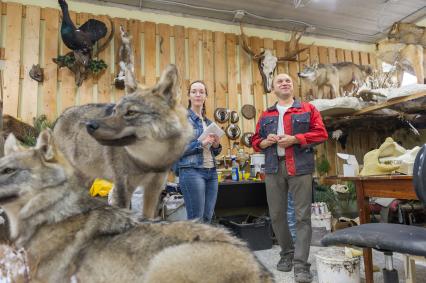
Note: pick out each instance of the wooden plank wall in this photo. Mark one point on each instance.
(232, 77)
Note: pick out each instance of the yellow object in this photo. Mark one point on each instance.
(372, 166)
(100, 187)
(246, 176)
(219, 176)
(350, 252)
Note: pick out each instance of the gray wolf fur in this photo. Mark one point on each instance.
(408, 33)
(132, 143)
(336, 76)
(90, 241)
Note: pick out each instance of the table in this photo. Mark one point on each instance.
(388, 186)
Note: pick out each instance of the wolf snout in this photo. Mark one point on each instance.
(92, 126)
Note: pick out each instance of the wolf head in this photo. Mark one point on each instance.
(23, 170)
(394, 31)
(309, 72)
(144, 113)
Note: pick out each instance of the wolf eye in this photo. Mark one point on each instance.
(130, 113)
(8, 171)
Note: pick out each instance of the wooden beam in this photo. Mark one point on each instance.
(390, 103)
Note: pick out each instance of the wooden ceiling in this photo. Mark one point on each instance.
(359, 20)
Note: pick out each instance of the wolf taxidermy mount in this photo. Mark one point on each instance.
(132, 143)
(336, 76)
(71, 237)
(408, 33)
(410, 58)
(405, 49)
(267, 62)
(81, 41)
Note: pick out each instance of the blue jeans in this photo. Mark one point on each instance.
(291, 216)
(199, 187)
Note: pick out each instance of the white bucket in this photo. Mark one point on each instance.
(257, 159)
(333, 266)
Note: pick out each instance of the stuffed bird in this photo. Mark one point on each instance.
(83, 38)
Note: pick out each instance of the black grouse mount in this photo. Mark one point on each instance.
(81, 41)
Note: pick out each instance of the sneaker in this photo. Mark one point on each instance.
(286, 263)
(302, 274)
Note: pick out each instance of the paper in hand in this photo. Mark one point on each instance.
(211, 129)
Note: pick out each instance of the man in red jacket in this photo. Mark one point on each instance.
(287, 133)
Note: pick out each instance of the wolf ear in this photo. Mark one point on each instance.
(168, 84)
(46, 145)
(12, 145)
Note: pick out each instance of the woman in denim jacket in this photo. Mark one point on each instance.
(197, 166)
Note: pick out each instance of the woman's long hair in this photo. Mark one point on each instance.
(203, 110)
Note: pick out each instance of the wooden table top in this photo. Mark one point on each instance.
(374, 177)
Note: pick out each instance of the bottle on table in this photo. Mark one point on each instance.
(235, 169)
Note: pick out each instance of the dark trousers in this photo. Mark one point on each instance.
(277, 187)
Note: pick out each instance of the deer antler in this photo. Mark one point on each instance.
(293, 48)
(110, 37)
(244, 44)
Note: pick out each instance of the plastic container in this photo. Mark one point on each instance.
(235, 170)
(257, 159)
(256, 231)
(333, 266)
(321, 220)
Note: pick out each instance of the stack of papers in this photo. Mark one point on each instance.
(214, 129)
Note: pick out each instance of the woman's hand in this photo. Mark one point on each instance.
(216, 141)
(208, 141)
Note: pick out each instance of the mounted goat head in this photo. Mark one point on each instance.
(267, 61)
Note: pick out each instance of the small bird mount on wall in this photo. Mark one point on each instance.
(81, 41)
(36, 73)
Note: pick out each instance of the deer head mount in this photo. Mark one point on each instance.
(267, 62)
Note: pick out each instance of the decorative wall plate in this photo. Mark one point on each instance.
(248, 111)
(221, 115)
(246, 139)
(233, 132)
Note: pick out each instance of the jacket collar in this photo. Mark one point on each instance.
(194, 117)
(296, 104)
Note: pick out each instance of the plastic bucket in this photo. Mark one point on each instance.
(257, 159)
(322, 220)
(333, 266)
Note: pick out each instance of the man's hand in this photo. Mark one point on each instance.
(270, 140)
(286, 141)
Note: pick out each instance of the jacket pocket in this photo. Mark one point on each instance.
(269, 126)
(300, 122)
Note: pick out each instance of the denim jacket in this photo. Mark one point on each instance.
(193, 155)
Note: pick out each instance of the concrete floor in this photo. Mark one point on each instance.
(270, 258)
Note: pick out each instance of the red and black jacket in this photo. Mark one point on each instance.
(301, 120)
